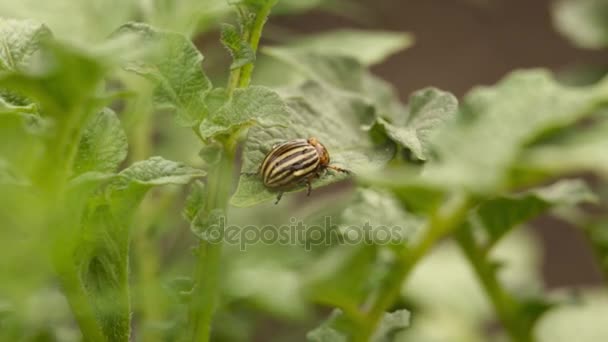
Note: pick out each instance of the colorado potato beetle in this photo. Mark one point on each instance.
(293, 163)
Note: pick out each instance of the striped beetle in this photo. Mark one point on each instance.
(295, 162)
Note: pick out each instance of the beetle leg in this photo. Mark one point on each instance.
(308, 187)
(339, 169)
(279, 197)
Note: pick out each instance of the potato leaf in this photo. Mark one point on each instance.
(584, 22)
(498, 215)
(247, 106)
(239, 49)
(103, 145)
(337, 119)
(367, 47)
(580, 320)
(20, 40)
(428, 110)
(174, 67)
(497, 122)
(104, 246)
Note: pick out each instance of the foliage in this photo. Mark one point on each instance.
(427, 234)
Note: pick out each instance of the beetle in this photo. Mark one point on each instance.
(293, 163)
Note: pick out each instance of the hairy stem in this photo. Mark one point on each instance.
(241, 77)
(80, 306)
(205, 292)
(506, 307)
(441, 223)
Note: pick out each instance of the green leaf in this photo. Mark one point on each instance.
(8, 175)
(341, 277)
(246, 107)
(158, 171)
(520, 256)
(577, 151)
(497, 122)
(428, 110)
(331, 330)
(583, 319)
(584, 22)
(61, 78)
(194, 201)
(336, 71)
(296, 6)
(239, 49)
(391, 324)
(367, 47)
(381, 211)
(71, 20)
(20, 39)
(337, 119)
(269, 286)
(104, 247)
(26, 110)
(103, 145)
(499, 215)
(175, 70)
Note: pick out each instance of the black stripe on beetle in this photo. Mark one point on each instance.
(293, 163)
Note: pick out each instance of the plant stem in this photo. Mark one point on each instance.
(253, 38)
(80, 306)
(442, 222)
(205, 292)
(54, 184)
(506, 307)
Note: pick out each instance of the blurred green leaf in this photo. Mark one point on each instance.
(194, 201)
(428, 110)
(391, 324)
(71, 19)
(573, 151)
(379, 209)
(8, 175)
(20, 40)
(518, 253)
(330, 330)
(174, 68)
(239, 49)
(338, 120)
(584, 22)
(497, 122)
(61, 78)
(103, 145)
(269, 286)
(342, 72)
(247, 106)
(157, 171)
(104, 247)
(581, 320)
(367, 47)
(499, 215)
(341, 277)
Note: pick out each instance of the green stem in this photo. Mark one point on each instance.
(54, 181)
(149, 294)
(506, 307)
(80, 306)
(205, 292)
(441, 223)
(253, 38)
